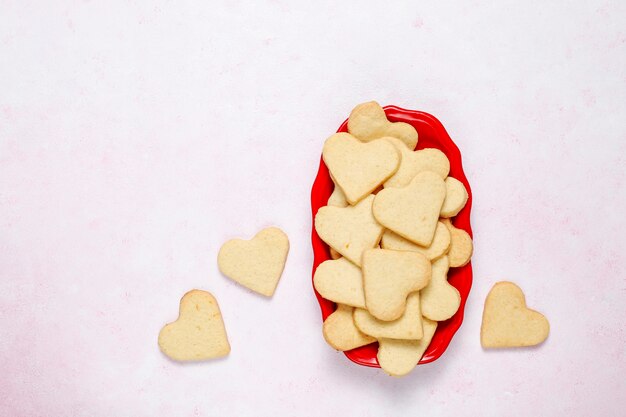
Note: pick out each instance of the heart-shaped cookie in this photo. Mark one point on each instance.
(357, 167)
(456, 197)
(368, 121)
(461, 246)
(257, 263)
(340, 281)
(349, 230)
(412, 211)
(399, 357)
(440, 300)
(389, 276)
(439, 246)
(507, 322)
(414, 162)
(199, 331)
(337, 198)
(341, 333)
(408, 326)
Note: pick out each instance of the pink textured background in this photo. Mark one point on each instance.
(135, 137)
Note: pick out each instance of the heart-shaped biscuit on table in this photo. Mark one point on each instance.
(257, 263)
(368, 122)
(199, 331)
(440, 300)
(389, 276)
(341, 333)
(507, 322)
(399, 357)
(414, 162)
(349, 230)
(357, 167)
(408, 326)
(340, 281)
(439, 246)
(412, 211)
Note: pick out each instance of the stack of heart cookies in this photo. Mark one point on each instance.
(389, 227)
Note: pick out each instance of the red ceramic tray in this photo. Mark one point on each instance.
(431, 134)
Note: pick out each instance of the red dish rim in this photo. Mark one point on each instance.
(432, 134)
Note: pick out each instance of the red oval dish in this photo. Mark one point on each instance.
(431, 134)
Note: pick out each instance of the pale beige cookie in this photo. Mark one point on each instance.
(399, 357)
(408, 326)
(389, 277)
(198, 333)
(414, 162)
(349, 230)
(337, 198)
(440, 300)
(439, 246)
(257, 263)
(412, 211)
(461, 246)
(368, 122)
(456, 197)
(507, 322)
(357, 167)
(341, 333)
(340, 281)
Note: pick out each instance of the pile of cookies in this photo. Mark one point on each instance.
(388, 225)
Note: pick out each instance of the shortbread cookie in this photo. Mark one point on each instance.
(507, 322)
(412, 211)
(341, 333)
(439, 246)
(399, 357)
(368, 122)
(408, 326)
(456, 197)
(349, 230)
(337, 198)
(414, 162)
(389, 277)
(461, 246)
(440, 300)
(340, 281)
(257, 263)
(357, 167)
(198, 333)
